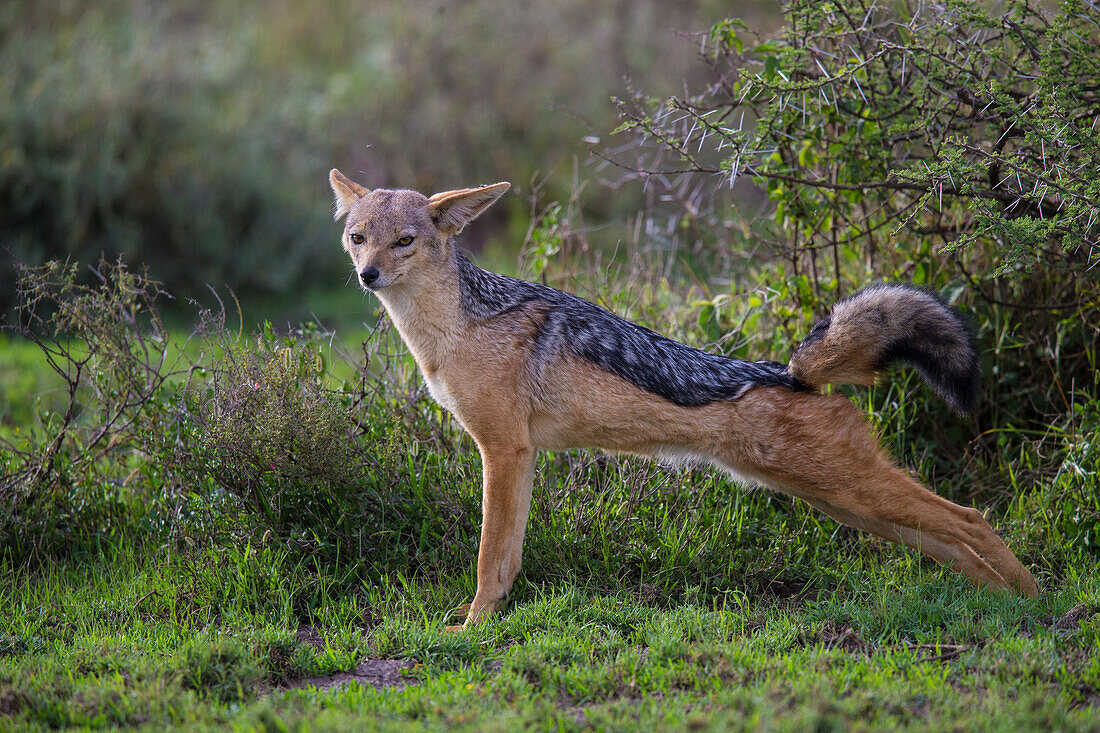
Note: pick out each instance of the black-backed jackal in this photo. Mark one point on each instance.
(524, 366)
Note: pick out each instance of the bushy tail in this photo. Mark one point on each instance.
(883, 324)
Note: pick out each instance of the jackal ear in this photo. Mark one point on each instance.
(452, 210)
(347, 193)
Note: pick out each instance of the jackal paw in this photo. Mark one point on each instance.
(475, 612)
(462, 612)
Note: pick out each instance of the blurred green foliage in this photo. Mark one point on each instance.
(195, 138)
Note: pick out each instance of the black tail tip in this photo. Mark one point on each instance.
(963, 390)
(939, 342)
(957, 374)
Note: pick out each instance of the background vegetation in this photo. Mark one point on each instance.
(196, 138)
(195, 520)
(952, 146)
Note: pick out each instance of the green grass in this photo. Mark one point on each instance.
(208, 638)
(140, 593)
(27, 387)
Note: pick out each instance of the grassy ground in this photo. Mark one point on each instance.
(668, 598)
(213, 637)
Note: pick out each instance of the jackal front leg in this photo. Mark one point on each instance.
(505, 501)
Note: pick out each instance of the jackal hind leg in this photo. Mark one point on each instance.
(939, 528)
(821, 449)
(957, 555)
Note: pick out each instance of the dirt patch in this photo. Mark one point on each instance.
(577, 713)
(1090, 698)
(381, 674)
(308, 635)
(11, 702)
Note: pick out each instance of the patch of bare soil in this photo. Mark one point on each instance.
(381, 674)
(309, 635)
(11, 702)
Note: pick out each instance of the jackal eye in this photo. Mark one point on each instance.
(357, 238)
(404, 241)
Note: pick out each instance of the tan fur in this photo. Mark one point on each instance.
(812, 446)
(844, 355)
(883, 324)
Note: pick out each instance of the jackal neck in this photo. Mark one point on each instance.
(486, 294)
(427, 313)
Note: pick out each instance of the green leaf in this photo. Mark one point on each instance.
(920, 274)
(771, 66)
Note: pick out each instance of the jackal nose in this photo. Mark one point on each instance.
(369, 275)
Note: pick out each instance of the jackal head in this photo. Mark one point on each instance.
(401, 236)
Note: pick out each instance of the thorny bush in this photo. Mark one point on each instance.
(952, 144)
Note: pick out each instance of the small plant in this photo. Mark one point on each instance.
(544, 239)
(275, 436)
(284, 656)
(107, 346)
